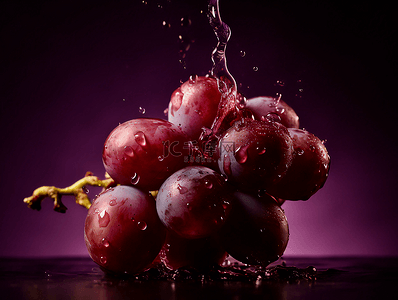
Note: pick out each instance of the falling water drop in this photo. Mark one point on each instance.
(141, 110)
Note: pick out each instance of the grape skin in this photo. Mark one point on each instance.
(256, 231)
(273, 108)
(122, 231)
(309, 169)
(194, 202)
(255, 154)
(144, 152)
(194, 105)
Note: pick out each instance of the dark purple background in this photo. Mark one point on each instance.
(72, 71)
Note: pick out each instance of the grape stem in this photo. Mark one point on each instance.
(77, 189)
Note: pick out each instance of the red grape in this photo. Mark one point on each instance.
(123, 233)
(144, 152)
(194, 105)
(274, 109)
(256, 231)
(309, 169)
(255, 154)
(194, 202)
(200, 253)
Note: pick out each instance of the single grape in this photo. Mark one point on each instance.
(194, 202)
(200, 253)
(144, 152)
(274, 109)
(256, 231)
(309, 169)
(255, 154)
(123, 233)
(194, 105)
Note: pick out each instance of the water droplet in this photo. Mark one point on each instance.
(242, 53)
(189, 206)
(113, 202)
(208, 184)
(192, 79)
(261, 150)
(280, 83)
(271, 117)
(129, 151)
(255, 69)
(103, 218)
(105, 243)
(199, 112)
(85, 189)
(227, 165)
(142, 225)
(140, 138)
(166, 24)
(185, 22)
(166, 112)
(241, 154)
(103, 260)
(141, 110)
(182, 189)
(160, 157)
(135, 178)
(300, 151)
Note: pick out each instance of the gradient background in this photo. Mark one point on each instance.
(72, 71)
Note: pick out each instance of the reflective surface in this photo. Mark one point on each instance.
(80, 278)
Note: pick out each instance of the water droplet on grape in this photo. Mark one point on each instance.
(182, 189)
(103, 218)
(105, 243)
(141, 110)
(192, 79)
(227, 165)
(142, 225)
(160, 157)
(241, 154)
(300, 151)
(261, 150)
(140, 138)
(208, 184)
(135, 178)
(113, 202)
(129, 151)
(103, 260)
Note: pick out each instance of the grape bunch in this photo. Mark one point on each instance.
(207, 183)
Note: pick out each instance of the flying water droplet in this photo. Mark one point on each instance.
(255, 69)
(85, 189)
(142, 225)
(192, 79)
(242, 53)
(141, 110)
(135, 178)
(140, 138)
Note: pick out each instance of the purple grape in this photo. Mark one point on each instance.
(194, 202)
(255, 154)
(123, 233)
(144, 152)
